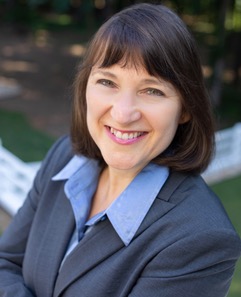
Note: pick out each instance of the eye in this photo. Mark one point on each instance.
(106, 82)
(154, 92)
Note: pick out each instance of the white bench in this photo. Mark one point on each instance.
(16, 178)
(227, 159)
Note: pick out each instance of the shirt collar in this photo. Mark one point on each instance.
(71, 167)
(128, 211)
(135, 201)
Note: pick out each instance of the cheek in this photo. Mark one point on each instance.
(170, 116)
(92, 102)
(90, 110)
(168, 123)
(96, 107)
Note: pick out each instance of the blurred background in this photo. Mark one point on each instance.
(41, 43)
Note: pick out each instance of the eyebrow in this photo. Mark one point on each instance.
(104, 72)
(109, 74)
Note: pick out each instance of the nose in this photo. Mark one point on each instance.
(124, 109)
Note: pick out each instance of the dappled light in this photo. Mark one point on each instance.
(76, 50)
(60, 19)
(100, 4)
(41, 38)
(15, 48)
(207, 71)
(228, 75)
(9, 87)
(18, 66)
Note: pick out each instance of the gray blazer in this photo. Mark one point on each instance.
(185, 247)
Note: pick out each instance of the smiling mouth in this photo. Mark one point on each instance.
(125, 135)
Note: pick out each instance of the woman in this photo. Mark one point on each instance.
(120, 209)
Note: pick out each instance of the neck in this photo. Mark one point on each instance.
(112, 183)
(117, 180)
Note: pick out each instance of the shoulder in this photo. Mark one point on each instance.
(197, 216)
(57, 157)
(195, 201)
(181, 186)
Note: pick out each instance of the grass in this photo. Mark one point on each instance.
(21, 139)
(30, 144)
(229, 192)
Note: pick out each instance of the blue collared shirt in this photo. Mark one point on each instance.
(127, 211)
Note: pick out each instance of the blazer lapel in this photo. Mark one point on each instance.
(162, 203)
(107, 241)
(53, 245)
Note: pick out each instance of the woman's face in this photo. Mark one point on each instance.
(131, 116)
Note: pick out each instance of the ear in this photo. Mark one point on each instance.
(184, 118)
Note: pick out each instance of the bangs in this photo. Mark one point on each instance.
(118, 46)
(127, 46)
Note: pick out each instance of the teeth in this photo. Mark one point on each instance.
(118, 134)
(125, 135)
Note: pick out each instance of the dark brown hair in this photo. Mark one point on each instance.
(153, 37)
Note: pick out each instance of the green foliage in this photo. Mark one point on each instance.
(236, 20)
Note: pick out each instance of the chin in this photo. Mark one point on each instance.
(119, 162)
(120, 166)
(128, 165)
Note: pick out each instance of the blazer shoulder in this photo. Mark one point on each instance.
(57, 157)
(194, 199)
(178, 182)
